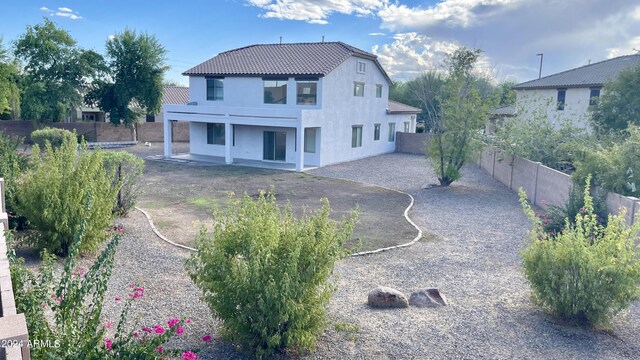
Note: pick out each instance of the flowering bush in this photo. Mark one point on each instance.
(586, 272)
(65, 312)
(265, 273)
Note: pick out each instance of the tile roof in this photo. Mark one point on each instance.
(175, 95)
(395, 107)
(310, 59)
(595, 74)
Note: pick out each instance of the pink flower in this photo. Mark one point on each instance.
(188, 321)
(188, 355)
(108, 325)
(136, 334)
(158, 329)
(179, 330)
(59, 299)
(138, 292)
(108, 343)
(206, 338)
(147, 330)
(172, 322)
(118, 299)
(160, 349)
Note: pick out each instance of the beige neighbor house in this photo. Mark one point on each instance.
(170, 95)
(570, 94)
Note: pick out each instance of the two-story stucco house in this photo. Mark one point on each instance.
(570, 94)
(298, 104)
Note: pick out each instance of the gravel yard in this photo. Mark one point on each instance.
(473, 259)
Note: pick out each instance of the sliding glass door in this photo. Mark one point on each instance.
(275, 145)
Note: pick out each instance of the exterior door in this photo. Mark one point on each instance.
(275, 145)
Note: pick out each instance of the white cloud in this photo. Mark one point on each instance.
(411, 54)
(111, 37)
(62, 12)
(377, 34)
(68, 15)
(316, 11)
(630, 47)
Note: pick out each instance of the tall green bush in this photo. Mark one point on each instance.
(12, 163)
(127, 169)
(51, 196)
(54, 136)
(587, 272)
(265, 273)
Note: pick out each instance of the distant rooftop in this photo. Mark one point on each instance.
(595, 74)
(290, 59)
(400, 108)
(175, 94)
(504, 111)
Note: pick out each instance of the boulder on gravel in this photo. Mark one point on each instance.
(386, 297)
(427, 298)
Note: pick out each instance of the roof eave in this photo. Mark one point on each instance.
(557, 86)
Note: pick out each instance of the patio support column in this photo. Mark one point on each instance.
(228, 139)
(300, 148)
(168, 136)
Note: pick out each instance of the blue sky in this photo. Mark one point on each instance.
(409, 36)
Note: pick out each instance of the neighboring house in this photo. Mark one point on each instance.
(570, 94)
(301, 104)
(170, 95)
(498, 115)
(87, 113)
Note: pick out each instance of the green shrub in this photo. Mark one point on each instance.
(615, 167)
(65, 311)
(51, 196)
(12, 163)
(586, 273)
(54, 136)
(265, 273)
(554, 218)
(128, 171)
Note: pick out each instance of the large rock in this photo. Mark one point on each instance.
(427, 298)
(386, 297)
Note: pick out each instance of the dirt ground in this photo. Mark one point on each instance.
(180, 198)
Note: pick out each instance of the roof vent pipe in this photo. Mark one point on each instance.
(322, 38)
(280, 40)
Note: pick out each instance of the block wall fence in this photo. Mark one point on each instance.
(101, 132)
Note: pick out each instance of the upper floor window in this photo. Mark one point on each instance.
(356, 136)
(358, 89)
(378, 91)
(594, 95)
(562, 93)
(215, 89)
(361, 67)
(306, 92)
(275, 91)
(215, 134)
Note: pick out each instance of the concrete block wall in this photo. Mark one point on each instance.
(411, 143)
(545, 186)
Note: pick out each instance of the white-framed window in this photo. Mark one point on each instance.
(407, 126)
(392, 132)
(215, 89)
(376, 132)
(594, 95)
(378, 90)
(310, 140)
(361, 67)
(358, 89)
(306, 92)
(562, 94)
(275, 91)
(356, 136)
(215, 134)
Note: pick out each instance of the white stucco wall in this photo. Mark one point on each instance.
(535, 103)
(336, 112)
